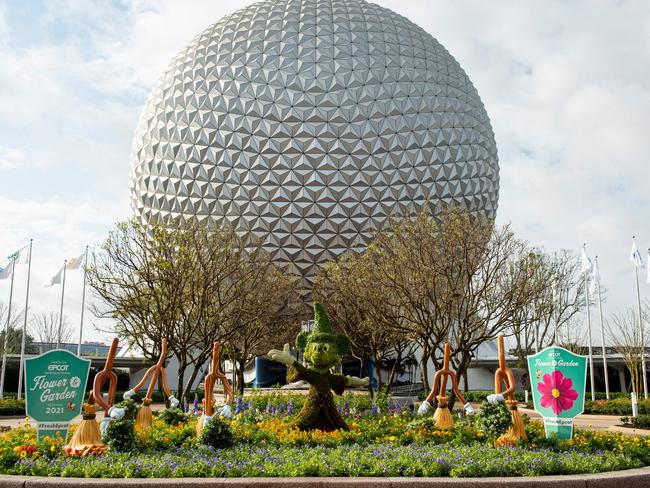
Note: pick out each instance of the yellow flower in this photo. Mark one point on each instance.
(23, 454)
(52, 448)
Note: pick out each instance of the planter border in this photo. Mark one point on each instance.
(632, 478)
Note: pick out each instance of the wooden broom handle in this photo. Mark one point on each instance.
(102, 377)
(440, 378)
(156, 371)
(210, 380)
(503, 373)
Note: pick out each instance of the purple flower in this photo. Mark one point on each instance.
(195, 405)
(290, 407)
(374, 410)
(239, 407)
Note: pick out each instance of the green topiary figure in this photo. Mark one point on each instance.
(322, 350)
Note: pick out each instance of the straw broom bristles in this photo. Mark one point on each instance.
(516, 432)
(87, 438)
(143, 419)
(442, 415)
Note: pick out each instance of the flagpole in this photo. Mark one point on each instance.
(22, 344)
(58, 336)
(602, 333)
(638, 301)
(4, 349)
(591, 356)
(83, 300)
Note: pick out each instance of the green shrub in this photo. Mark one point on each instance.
(616, 406)
(173, 416)
(120, 436)
(640, 422)
(493, 419)
(12, 406)
(130, 409)
(217, 434)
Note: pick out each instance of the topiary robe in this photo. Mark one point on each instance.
(319, 411)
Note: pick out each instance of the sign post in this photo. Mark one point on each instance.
(55, 383)
(558, 379)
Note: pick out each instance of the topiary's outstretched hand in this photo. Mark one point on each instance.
(353, 381)
(283, 356)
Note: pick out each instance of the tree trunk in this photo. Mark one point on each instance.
(241, 363)
(377, 375)
(461, 370)
(180, 389)
(393, 370)
(425, 371)
(195, 372)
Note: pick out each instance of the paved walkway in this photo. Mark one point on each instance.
(597, 422)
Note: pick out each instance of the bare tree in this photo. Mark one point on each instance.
(15, 334)
(456, 277)
(556, 304)
(572, 336)
(44, 327)
(271, 317)
(187, 283)
(16, 319)
(628, 339)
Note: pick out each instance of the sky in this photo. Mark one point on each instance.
(565, 83)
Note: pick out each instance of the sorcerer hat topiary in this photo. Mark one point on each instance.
(322, 332)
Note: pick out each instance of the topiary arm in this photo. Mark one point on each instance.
(284, 356)
(355, 381)
(298, 372)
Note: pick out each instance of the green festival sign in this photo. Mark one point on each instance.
(558, 378)
(55, 383)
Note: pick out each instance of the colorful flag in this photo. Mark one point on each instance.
(5, 270)
(595, 278)
(75, 263)
(20, 256)
(586, 262)
(57, 279)
(635, 255)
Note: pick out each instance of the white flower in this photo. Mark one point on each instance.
(75, 381)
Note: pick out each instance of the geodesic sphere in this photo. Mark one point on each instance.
(309, 123)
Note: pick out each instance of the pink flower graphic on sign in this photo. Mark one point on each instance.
(557, 392)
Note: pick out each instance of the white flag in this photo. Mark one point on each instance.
(20, 256)
(5, 270)
(647, 278)
(76, 263)
(635, 255)
(595, 278)
(57, 279)
(586, 262)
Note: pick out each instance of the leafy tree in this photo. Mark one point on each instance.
(270, 318)
(357, 309)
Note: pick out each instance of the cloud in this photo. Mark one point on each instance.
(10, 157)
(566, 84)
(61, 228)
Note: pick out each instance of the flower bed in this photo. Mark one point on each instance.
(391, 444)
(375, 460)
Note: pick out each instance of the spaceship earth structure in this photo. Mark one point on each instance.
(309, 123)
